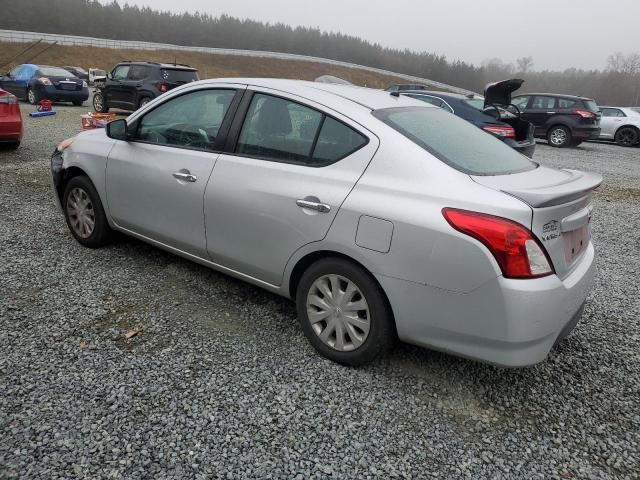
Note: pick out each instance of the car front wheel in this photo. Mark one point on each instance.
(32, 97)
(343, 312)
(99, 103)
(84, 213)
(559, 136)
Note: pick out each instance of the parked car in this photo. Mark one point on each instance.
(37, 82)
(97, 75)
(79, 72)
(621, 125)
(489, 113)
(564, 120)
(131, 85)
(10, 120)
(366, 208)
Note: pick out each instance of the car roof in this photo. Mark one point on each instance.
(557, 95)
(369, 98)
(175, 66)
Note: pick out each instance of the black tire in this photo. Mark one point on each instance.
(100, 106)
(32, 96)
(627, 136)
(575, 143)
(559, 136)
(101, 233)
(78, 103)
(13, 145)
(143, 101)
(381, 333)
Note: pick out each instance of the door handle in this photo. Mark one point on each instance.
(185, 175)
(313, 205)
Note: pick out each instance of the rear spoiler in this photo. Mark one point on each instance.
(574, 187)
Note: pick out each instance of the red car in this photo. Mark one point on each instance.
(10, 120)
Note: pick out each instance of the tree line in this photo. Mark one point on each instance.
(619, 84)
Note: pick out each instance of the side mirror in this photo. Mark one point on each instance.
(117, 130)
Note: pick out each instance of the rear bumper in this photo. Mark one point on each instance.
(10, 131)
(586, 133)
(56, 95)
(506, 322)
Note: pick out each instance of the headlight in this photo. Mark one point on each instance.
(44, 81)
(63, 145)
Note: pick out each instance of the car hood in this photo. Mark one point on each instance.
(499, 93)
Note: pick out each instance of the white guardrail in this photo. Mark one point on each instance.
(29, 37)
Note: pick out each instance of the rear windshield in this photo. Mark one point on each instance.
(591, 105)
(477, 103)
(55, 72)
(179, 76)
(454, 141)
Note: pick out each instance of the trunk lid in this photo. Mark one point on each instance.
(561, 204)
(499, 93)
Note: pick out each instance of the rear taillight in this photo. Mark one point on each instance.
(163, 87)
(44, 81)
(517, 251)
(585, 113)
(500, 131)
(8, 99)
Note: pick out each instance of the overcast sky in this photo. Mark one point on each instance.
(557, 33)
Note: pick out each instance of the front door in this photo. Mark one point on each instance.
(540, 111)
(115, 88)
(611, 120)
(282, 184)
(156, 181)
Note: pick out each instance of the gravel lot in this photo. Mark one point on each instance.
(221, 383)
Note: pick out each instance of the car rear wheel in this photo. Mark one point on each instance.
(343, 312)
(78, 103)
(559, 136)
(84, 213)
(32, 97)
(143, 101)
(627, 136)
(99, 103)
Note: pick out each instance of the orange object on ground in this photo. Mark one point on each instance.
(96, 120)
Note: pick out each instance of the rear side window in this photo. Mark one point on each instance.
(178, 76)
(566, 103)
(612, 112)
(521, 102)
(283, 130)
(540, 102)
(137, 72)
(590, 105)
(454, 141)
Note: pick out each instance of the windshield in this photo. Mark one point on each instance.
(179, 76)
(477, 103)
(454, 141)
(55, 72)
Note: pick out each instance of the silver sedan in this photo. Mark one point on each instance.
(381, 216)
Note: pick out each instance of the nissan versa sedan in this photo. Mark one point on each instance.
(383, 217)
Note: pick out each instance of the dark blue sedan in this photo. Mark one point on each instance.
(493, 113)
(38, 82)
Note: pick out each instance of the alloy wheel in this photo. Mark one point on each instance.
(558, 136)
(80, 212)
(31, 97)
(98, 104)
(338, 312)
(627, 137)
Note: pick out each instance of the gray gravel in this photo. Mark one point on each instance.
(220, 382)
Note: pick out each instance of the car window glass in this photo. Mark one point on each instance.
(566, 103)
(428, 99)
(439, 134)
(191, 120)
(121, 72)
(540, 103)
(23, 73)
(137, 72)
(14, 71)
(521, 102)
(278, 129)
(336, 141)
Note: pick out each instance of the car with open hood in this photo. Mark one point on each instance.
(364, 207)
(490, 113)
(44, 82)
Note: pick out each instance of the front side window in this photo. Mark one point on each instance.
(121, 72)
(191, 120)
(440, 134)
(283, 130)
(542, 103)
(612, 112)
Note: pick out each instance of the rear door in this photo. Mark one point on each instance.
(540, 111)
(131, 86)
(156, 182)
(286, 171)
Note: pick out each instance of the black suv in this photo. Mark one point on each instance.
(130, 85)
(564, 120)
